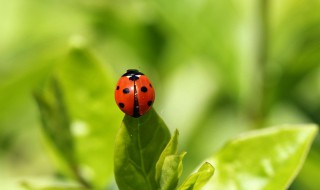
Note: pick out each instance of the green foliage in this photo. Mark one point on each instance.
(197, 180)
(279, 153)
(145, 158)
(57, 187)
(171, 171)
(170, 149)
(139, 144)
(265, 159)
(219, 68)
(95, 122)
(83, 137)
(56, 121)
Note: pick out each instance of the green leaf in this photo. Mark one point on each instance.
(197, 180)
(171, 171)
(139, 144)
(56, 126)
(89, 90)
(84, 134)
(55, 119)
(265, 159)
(171, 148)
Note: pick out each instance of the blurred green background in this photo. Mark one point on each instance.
(219, 68)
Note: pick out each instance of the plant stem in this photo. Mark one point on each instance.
(80, 179)
(260, 107)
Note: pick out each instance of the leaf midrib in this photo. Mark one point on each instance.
(145, 174)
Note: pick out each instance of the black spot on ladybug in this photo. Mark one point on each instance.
(126, 91)
(134, 78)
(118, 87)
(150, 103)
(144, 89)
(121, 105)
(150, 85)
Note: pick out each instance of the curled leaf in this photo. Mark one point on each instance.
(197, 180)
(171, 171)
(171, 148)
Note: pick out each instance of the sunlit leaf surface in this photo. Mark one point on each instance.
(266, 159)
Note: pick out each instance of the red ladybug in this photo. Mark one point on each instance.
(134, 93)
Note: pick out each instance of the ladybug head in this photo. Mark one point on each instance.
(132, 72)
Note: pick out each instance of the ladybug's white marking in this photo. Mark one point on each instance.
(131, 76)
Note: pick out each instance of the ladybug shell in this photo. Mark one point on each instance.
(134, 93)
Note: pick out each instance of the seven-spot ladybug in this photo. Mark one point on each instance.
(134, 93)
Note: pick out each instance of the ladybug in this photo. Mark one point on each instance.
(134, 93)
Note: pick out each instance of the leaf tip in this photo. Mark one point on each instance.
(208, 167)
